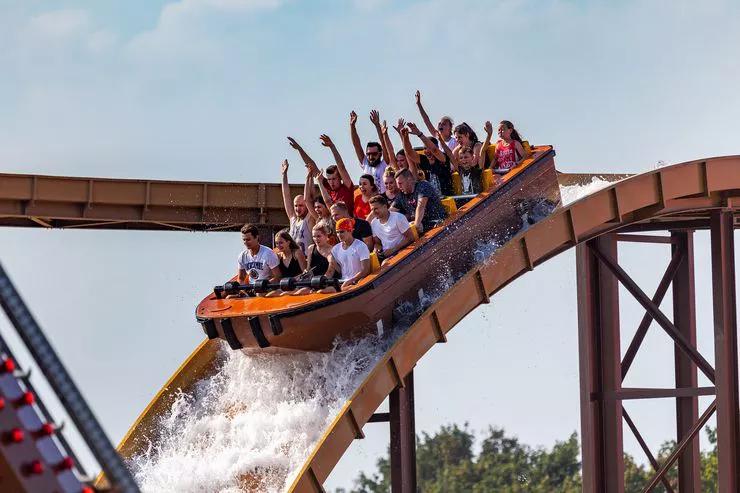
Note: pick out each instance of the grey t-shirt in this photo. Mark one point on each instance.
(434, 211)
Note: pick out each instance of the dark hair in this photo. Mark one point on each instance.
(379, 199)
(371, 179)
(375, 144)
(465, 129)
(284, 234)
(340, 205)
(320, 200)
(251, 229)
(331, 169)
(434, 140)
(402, 152)
(404, 172)
(514, 133)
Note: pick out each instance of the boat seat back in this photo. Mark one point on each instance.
(487, 180)
(374, 262)
(456, 183)
(449, 204)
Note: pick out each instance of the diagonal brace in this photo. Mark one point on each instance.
(671, 459)
(646, 449)
(658, 315)
(660, 292)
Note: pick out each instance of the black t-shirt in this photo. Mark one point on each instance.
(471, 180)
(434, 211)
(362, 229)
(438, 174)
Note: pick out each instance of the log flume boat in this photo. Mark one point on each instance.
(312, 322)
(678, 196)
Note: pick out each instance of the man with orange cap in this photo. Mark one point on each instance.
(350, 256)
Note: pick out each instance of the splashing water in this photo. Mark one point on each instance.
(571, 193)
(253, 424)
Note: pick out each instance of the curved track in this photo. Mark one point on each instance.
(675, 197)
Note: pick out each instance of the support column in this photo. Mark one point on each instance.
(684, 318)
(403, 437)
(600, 368)
(725, 350)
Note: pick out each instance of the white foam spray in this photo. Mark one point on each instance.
(571, 193)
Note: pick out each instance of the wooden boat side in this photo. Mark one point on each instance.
(313, 321)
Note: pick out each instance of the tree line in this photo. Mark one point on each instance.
(446, 463)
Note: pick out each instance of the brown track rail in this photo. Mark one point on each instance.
(674, 197)
(97, 203)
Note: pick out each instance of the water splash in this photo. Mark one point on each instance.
(571, 193)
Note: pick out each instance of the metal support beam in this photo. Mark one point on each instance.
(684, 318)
(403, 437)
(600, 367)
(725, 350)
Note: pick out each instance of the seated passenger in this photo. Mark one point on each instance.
(256, 261)
(465, 136)
(292, 261)
(350, 256)
(301, 221)
(318, 255)
(470, 171)
(361, 228)
(391, 230)
(509, 148)
(371, 159)
(444, 127)
(338, 182)
(434, 163)
(418, 201)
(391, 188)
(396, 160)
(362, 200)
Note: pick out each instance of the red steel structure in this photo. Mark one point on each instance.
(680, 199)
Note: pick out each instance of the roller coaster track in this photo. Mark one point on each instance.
(671, 198)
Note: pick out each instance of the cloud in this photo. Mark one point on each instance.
(180, 27)
(61, 24)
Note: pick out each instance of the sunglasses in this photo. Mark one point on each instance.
(373, 153)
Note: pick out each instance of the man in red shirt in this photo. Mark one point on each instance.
(338, 182)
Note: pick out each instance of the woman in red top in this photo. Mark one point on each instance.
(509, 149)
(367, 189)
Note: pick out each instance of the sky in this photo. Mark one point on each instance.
(210, 89)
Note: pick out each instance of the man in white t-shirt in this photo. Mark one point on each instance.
(372, 161)
(256, 261)
(350, 256)
(391, 230)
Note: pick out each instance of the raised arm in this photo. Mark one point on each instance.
(484, 148)
(310, 163)
(356, 143)
(287, 199)
(346, 178)
(446, 149)
(375, 119)
(308, 193)
(438, 155)
(324, 192)
(411, 156)
(424, 115)
(388, 145)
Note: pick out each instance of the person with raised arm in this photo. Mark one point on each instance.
(318, 255)
(351, 257)
(338, 183)
(301, 222)
(391, 187)
(434, 163)
(444, 127)
(398, 160)
(371, 160)
(367, 188)
(418, 201)
(465, 136)
(391, 229)
(509, 149)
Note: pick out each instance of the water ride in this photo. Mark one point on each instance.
(313, 321)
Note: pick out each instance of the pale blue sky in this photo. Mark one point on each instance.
(209, 89)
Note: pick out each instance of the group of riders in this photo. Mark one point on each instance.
(398, 197)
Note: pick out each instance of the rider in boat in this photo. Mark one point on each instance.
(444, 127)
(391, 229)
(350, 256)
(371, 160)
(301, 221)
(418, 201)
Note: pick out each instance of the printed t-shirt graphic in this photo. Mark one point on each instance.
(258, 266)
